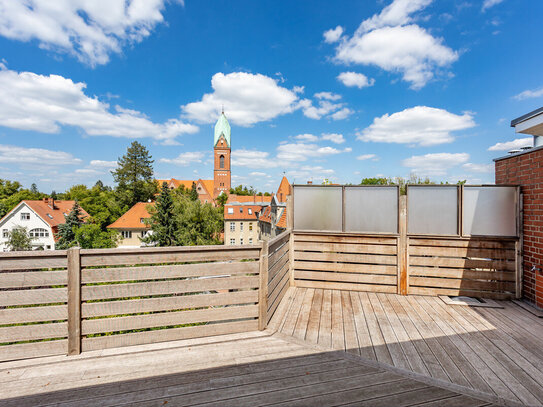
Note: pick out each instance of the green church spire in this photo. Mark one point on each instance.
(222, 127)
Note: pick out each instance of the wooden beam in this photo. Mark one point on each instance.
(403, 263)
(74, 301)
(263, 288)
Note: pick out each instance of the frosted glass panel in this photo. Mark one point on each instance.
(317, 208)
(371, 209)
(490, 211)
(432, 210)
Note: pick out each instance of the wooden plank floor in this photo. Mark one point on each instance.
(251, 369)
(497, 351)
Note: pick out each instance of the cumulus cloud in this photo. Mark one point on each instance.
(392, 42)
(35, 156)
(81, 28)
(352, 79)
(480, 168)
(421, 125)
(103, 164)
(297, 152)
(335, 111)
(334, 137)
(342, 114)
(247, 99)
(364, 157)
(315, 173)
(41, 103)
(529, 94)
(307, 137)
(333, 35)
(253, 159)
(490, 3)
(512, 145)
(185, 159)
(327, 95)
(435, 164)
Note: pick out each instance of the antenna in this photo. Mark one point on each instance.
(223, 108)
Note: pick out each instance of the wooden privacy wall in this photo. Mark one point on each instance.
(475, 267)
(346, 262)
(278, 271)
(33, 310)
(164, 294)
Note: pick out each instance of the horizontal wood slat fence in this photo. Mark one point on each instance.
(65, 302)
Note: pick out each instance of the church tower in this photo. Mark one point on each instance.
(221, 152)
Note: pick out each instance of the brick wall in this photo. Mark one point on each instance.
(526, 170)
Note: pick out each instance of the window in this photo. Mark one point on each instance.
(241, 240)
(232, 226)
(126, 234)
(232, 242)
(240, 210)
(48, 247)
(251, 226)
(221, 161)
(39, 233)
(241, 227)
(250, 211)
(25, 216)
(142, 220)
(250, 240)
(5, 233)
(143, 233)
(230, 211)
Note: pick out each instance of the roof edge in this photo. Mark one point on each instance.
(526, 116)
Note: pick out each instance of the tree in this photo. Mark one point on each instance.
(134, 176)
(18, 239)
(67, 231)
(91, 236)
(34, 189)
(163, 221)
(241, 190)
(221, 200)
(193, 192)
(12, 193)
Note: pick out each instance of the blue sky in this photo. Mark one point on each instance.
(342, 92)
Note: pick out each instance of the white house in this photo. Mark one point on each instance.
(40, 218)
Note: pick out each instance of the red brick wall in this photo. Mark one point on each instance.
(526, 170)
(221, 176)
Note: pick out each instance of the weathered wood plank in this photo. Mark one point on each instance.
(32, 297)
(504, 244)
(500, 265)
(163, 335)
(312, 332)
(278, 254)
(167, 287)
(97, 309)
(338, 334)
(74, 301)
(33, 314)
(342, 257)
(171, 271)
(379, 345)
(33, 350)
(33, 279)
(274, 293)
(471, 252)
(32, 332)
(279, 267)
(461, 273)
(433, 291)
(279, 240)
(303, 318)
(32, 260)
(345, 277)
(275, 302)
(345, 267)
(361, 328)
(378, 240)
(462, 284)
(91, 326)
(330, 285)
(263, 288)
(325, 325)
(349, 326)
(344, 248)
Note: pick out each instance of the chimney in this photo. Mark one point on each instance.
(309, 182)
(51, 203)
(538, 141)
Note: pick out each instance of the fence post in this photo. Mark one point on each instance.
(403, 279)
(74, 301)
(263, 288)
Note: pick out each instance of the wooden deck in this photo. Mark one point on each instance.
(249, 369)
(496, 351)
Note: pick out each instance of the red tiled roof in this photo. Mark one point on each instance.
(53, 214)
(282, 222)
(208, 184)
(266, 215)
(283, 190)
(241, 212)
(132, 218)
(257, 199)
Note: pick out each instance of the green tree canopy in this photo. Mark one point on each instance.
(18, 239)
(91, 236)
(67, 231)
(134, 176)
(163, 221)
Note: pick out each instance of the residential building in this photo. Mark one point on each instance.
(204, 187)
(273, 219)
(40, 218)
(132, 225)
(241, 224)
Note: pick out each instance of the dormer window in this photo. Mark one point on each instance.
(25, 216)
(250, 211)
(230, 211)
(240, 210)
(142, 220)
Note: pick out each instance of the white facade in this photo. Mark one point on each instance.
(23, 215)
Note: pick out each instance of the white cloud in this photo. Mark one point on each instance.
(422, 125)
(490, 3)
(390, 41)
(434, 164)
(333, 35)
(512, 145)
(316, 173)
(87, 171)
(185, 159)
(481, 168)
(44, 103)
(307, 137)
(253, 159)
(90, 30)
(334, 137)
(259, 174)
(327, 95)
(35, 156)
(103, 164)
(247, 99)
(364, 157)
(342, 114)
(297, 152)
(529, 94)
(355, 79)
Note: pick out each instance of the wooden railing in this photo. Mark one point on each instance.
(278, 279)
(71, 301)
